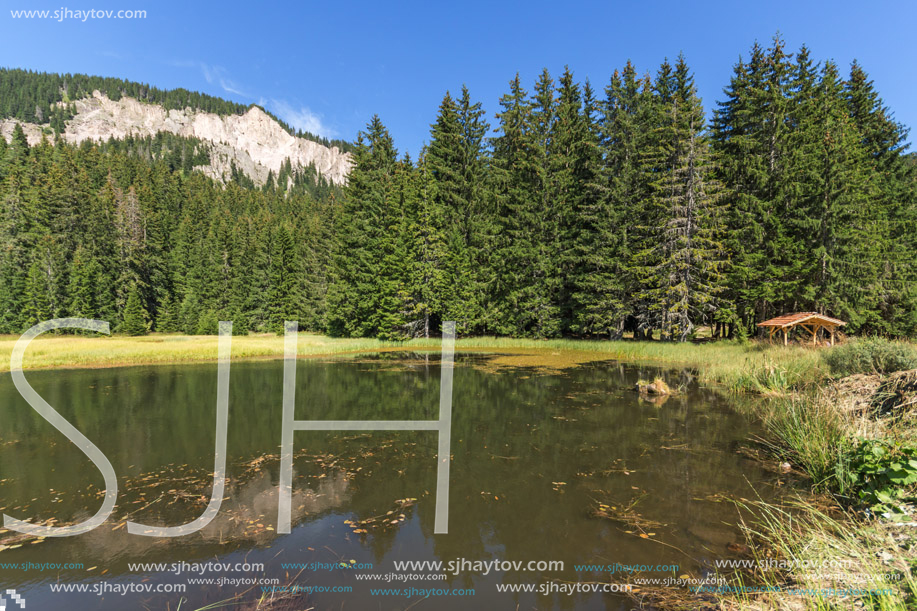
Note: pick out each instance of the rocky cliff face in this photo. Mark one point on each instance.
(254, 141)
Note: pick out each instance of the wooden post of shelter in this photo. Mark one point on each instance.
(813, 322)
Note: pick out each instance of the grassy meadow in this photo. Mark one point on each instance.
(747, 366)
(61, 351)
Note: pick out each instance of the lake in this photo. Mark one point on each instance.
(549, 463)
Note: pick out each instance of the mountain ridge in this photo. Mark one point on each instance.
(246, 139)
(254, 142)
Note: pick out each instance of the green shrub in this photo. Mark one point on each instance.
(870, 355)
(883, 474)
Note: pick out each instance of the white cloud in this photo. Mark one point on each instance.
(219, 75)
(214, 75)
(300, 118)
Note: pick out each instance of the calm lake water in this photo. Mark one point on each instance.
(535, 454)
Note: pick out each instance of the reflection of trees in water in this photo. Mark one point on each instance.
(247, 517)
(514, 434)
(572, 428)
(255, 503)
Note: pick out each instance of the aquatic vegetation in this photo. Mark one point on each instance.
(808, 432)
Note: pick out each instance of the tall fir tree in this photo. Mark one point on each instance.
(367, 294)
(456, 162)
(134, 318)
(284, 297)
(685, 259)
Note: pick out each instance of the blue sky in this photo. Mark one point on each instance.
(329, 66)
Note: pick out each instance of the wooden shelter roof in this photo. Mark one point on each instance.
(788, 320)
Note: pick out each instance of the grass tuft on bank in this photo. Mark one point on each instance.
(819, 558)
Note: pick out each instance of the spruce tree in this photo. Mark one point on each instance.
(368, 292)
(37, 303)
(134, 318)
(570, 170)
(167, 321)
(688, 258)
(284, 298)
(84, 276)
(603, 289)
(838, 191)
(885, 144)
(424, 235)
(530, 288)
(456, 161)
(514, 191)
(751, 136)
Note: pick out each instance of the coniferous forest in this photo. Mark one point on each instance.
(571, 210)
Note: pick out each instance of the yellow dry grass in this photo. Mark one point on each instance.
(738, 366)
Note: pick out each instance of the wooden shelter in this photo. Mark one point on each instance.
(810, 321)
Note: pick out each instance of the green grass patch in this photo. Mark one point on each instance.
(807, 431)
(870, 355)
(839, 560)
(738, 366)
